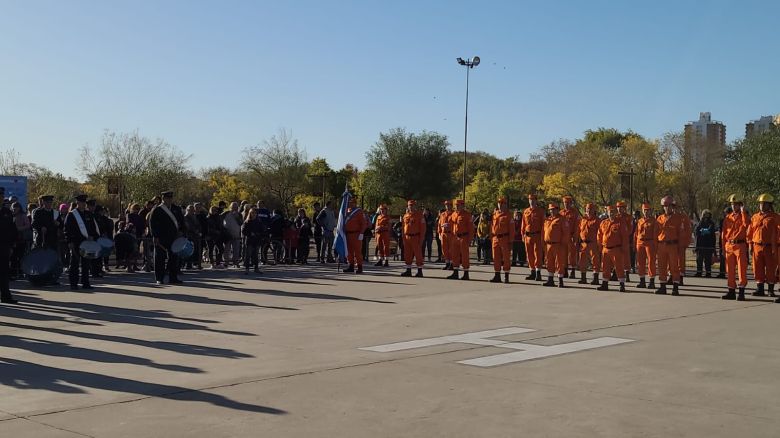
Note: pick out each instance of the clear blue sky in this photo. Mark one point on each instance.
(215, 77)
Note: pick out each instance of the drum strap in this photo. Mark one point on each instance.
(80, 223)
(170, 214)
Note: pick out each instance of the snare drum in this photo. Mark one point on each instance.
(106, 246)
(89, 249)
(183, 248)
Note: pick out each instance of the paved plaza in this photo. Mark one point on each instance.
(308, 352)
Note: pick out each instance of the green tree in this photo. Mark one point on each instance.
(482, 192)
(412, 166)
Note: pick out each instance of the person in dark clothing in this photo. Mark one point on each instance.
(44, 224)
(303, 224)
(105, 229)
(166, 224)
(193, 233)
(79, 226)
(252, 231)
(705, 244)
(430, 224)
(317, 230)
(518, 247)
(214, 235)
(8, 236)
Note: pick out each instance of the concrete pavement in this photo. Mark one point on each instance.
(229, 355)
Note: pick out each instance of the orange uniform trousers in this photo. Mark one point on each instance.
(502, 253)
(646, 257)
(354, 249)
(763, 263)
(383, 243)
(571, 253)
(681, 259)
(612, 258)
(555, 257)
(590, 251)
(413, 250)
(736, 261)
(460, 252)
(668, 261)
(446, 245)
(533, 250)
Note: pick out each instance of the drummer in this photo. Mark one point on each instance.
(44, 224)
(79, 227)
(166, 223)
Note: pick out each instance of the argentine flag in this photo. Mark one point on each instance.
(340, 240)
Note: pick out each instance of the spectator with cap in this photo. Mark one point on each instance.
(705, 232)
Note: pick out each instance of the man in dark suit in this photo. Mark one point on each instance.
(79, 226)
(8, 236)
(166, 224)
(44, 224)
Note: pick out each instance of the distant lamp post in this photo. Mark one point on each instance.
(469, 64)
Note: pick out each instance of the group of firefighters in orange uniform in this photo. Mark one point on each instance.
(566, 240)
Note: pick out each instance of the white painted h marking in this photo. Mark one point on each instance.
(525, 351)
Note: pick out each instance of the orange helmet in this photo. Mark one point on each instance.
(552, 205)
(411, 202)
(567, 198)
(502, 200)
(646, 206)
(620, 204)
(667, 201)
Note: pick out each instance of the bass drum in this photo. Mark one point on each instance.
(89, 249)
(42, 266)
(183, 248)
(106, 246)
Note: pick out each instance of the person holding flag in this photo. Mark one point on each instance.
(355, 225)
(340, 238)
(413, 234)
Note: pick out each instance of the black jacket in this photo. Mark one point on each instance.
(162, 227)
(8, 231)
(72, 231)
(705, 234)
(253, 231)
(42, 218)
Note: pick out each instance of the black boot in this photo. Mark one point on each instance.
(759, 290)
(622, 287)
(583, 278)
(549, 282)
(772, 290)
(560, 283)
(496, 278)
(613, 277)
(572, 274)
(651, 285)
(407, 273)
(681, 280)
(628, 280)
(419, 273)
(741, 296)
(359, 270)
(595, 280)
(661, 290)
(565, 273)
(454, 275)
(697, 274)
(604, 286)
(642, 283)
(675, 289)
(669, 281)
(506, 277)
(465, 275)
(539, 275)
(386, 263)
(531, 276)
(446, 266)
(731, 295)
(351, 268)
(379, 263)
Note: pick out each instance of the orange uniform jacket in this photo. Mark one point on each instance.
(670, 229)
(503, 231)
(589, 246)
(613, 238)
(533, 221)
(531, 227)
(762, 234)
(463, 230)
(734, 238)
(589, 228)
(414, 232)
(556, 233)
(646, 246)
(573, 216)
(354, 227)
(382, 232)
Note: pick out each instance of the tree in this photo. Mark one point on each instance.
(609, 138)
(752, 167)
(226, 185)
(278, 167)
(412, 166)
(143, 167)
(482, 192)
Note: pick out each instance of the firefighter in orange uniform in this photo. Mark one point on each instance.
(735, 247)
(685, 239)
(646, 246)
(589, 246)
(382, 233)
(613, 238)
(762, 235)
(463, 232)
(355, 225)
(445, 234)
(570, 212)
(532, 228)
(414, 232)
(556, 231)
(670, 230)
(503, 232)
(628, 221)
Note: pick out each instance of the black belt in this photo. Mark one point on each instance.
(616, 246)
(761, 243)
(551, 243)
(645, 240)
(586, 241)
(531, 233)
(412, 235)
(462, 234)
(668, 242)
(736, 242)
(501, 235)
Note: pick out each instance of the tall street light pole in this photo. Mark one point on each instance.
(469, 64)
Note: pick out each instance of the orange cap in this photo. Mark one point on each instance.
(611, 208)
(532, 196)
(667, 200)
(620, 204)
(502, 200)
(567, 198)
(383, 206)
(646, 206)
(552, 205)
